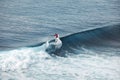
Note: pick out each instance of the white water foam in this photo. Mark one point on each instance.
(36, 64)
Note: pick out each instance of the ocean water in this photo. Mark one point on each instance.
(92, 51)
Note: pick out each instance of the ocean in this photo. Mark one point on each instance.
(89, 30)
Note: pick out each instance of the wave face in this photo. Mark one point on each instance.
(100, 37)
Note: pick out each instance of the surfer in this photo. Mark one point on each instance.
(54, 46)
(58, 42)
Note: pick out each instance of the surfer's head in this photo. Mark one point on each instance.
(56, 35)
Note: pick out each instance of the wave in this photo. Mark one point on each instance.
(108, 36)
(23, 58)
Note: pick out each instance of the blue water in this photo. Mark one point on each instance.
(29, 22)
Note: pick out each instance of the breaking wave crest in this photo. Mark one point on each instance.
(36, 64)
